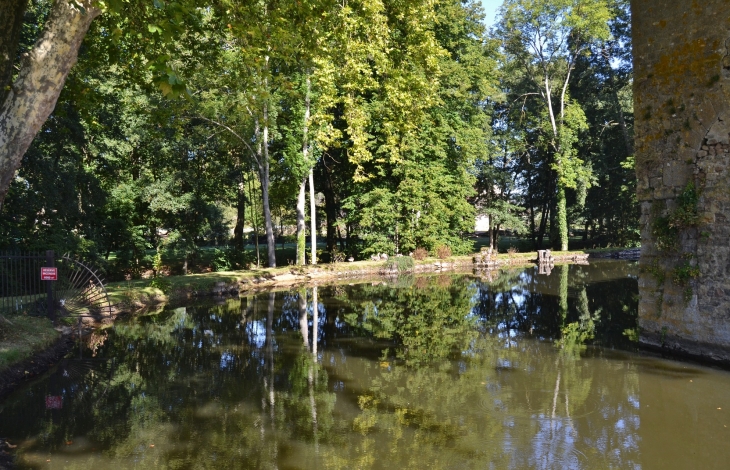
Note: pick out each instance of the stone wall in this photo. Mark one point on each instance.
(682, 113)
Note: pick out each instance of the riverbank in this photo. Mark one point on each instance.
(131, 296)
(30, 345)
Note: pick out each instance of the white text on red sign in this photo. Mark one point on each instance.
(49, 274)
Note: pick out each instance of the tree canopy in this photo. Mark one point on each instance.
(190, 124)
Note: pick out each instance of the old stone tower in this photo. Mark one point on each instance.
(682, 112)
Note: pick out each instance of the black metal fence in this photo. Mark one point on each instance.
(41, 284)
(21, 287)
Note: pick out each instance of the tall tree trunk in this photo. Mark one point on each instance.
(255, 219)
(312, 217)
(531, 205)
(43, 72)
(265, 182)
(496, 238)
(240, 213)
(301, 223)
(553, 231)
(562, 216)
(628, 141)
(543, 224)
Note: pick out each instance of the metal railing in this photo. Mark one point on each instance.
(21, 287)
(70, 288)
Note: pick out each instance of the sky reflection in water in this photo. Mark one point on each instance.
(442, 371)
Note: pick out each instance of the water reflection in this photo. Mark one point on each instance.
(443, 371)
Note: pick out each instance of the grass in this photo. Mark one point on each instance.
(204, 260)
(25, 337)
(165, 288)
(145, 292)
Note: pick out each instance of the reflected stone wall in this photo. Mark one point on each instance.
(682, 112)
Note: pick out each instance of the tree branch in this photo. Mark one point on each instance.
(232, 132)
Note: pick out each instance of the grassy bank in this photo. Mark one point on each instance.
(23, 337)
(134, 294)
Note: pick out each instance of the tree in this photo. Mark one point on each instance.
(414, 176)
(496, 184)
(266, 46)
(33, 94)
(603, 87)
(543, 40)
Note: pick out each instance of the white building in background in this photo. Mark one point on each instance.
(481, 223)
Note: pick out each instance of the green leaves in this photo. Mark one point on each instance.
(167, 79)
(544, 41)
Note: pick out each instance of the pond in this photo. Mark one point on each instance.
(444, 371)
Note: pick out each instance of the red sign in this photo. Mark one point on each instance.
(49, 274)
(54, 402)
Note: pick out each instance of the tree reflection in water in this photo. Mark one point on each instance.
(444, 371)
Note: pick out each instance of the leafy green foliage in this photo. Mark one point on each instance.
(230, 259)
(400, 264)
(683, 275)
(161, 283)
(545, 44)
(418, 120)
(685, 214)
(666, 228)
(413, 190)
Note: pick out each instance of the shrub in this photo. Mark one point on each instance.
(420, 254)
(229, 259)
(337, 256)
(443, 251)
(161, 283)
(220, 260)
(400, 263)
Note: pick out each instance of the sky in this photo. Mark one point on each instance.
(490, 9)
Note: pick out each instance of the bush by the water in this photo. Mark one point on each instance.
(400, 264)
(161, 283)
(420, 254)
(443, 251)
(229, 259)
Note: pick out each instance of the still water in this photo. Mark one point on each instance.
(427, 372)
